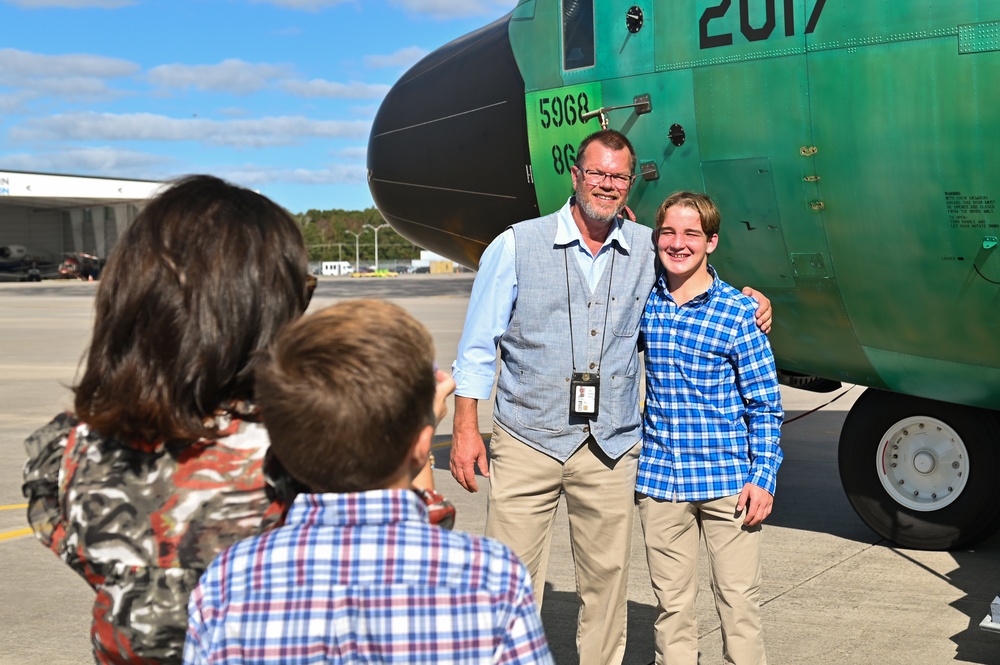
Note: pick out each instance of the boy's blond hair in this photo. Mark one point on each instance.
(711, 219)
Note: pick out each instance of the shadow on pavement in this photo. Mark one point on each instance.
(559, 612)
(809, 496)
(978, 577)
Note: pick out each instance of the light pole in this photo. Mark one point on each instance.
(375, 229)
(357, 260)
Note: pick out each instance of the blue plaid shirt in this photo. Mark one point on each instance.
(363, 577)
(713, 409)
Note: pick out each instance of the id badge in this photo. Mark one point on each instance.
(584, 394)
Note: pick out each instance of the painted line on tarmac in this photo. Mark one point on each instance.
(17, 533)
(447, 444)
(14, 506)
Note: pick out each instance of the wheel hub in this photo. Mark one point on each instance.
(923, 463)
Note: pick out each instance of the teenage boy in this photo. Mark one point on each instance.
(357, 573)
(710, 451)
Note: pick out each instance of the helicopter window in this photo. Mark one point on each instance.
(578, 34)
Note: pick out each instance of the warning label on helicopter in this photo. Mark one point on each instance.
(970, 211)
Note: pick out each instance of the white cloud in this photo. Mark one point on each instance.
(352, 153)
(364, 111)
(404, 57)
(71, 4)
(239, 77)
(87, 161)
(232, 76)
(305, 5)
(111, 162)
(72, 76)
(255, 176)
(22, 67)
(73, 87)
(15, 102)
(445, 9)
(270, 131)
(331, 89)
(234, 112)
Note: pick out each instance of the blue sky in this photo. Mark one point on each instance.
(276, 95)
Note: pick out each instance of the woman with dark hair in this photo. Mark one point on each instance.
(162, 464)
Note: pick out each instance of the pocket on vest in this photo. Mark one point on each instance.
(541, 403)
(626, 313)
(623, 398)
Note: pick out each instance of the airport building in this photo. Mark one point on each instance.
(45, 217)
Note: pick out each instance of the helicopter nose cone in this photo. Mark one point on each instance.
(448, 160)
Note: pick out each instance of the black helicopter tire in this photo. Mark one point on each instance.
(921, 473)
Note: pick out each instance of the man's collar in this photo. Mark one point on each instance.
(567, 232)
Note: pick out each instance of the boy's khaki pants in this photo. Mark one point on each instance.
(671, 531)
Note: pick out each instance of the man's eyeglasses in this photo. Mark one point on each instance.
(594, 177)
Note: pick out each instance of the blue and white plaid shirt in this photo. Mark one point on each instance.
(713, 409)
(363, 577)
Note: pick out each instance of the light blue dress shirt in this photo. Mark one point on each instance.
(495, 292)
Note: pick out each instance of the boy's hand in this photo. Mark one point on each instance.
(757, 501)
(763, 314)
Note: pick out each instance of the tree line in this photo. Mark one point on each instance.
(329, 236)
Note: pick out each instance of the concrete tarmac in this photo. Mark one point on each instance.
(834, 592)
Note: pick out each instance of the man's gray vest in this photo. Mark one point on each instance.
(533, 391)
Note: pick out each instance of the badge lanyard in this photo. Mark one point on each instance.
(585, 387)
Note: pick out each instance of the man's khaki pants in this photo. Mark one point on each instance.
(525, 486)
(671, 531)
